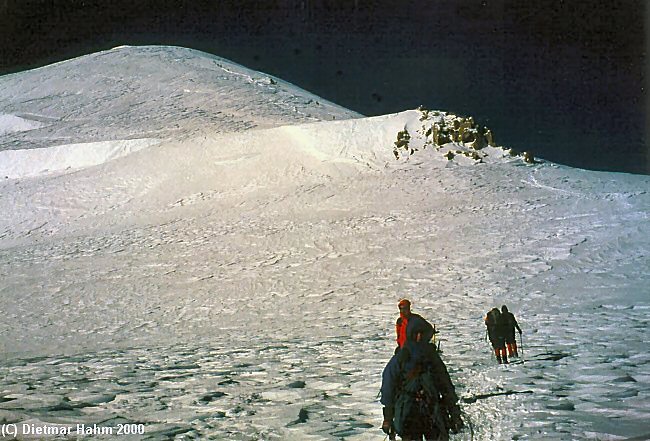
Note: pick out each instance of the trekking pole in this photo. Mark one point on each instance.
(492, 354)
(433, 340)
(521, 341)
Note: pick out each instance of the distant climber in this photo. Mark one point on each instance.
(496, 334)
(509, 323)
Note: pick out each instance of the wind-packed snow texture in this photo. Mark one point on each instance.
(214, 253)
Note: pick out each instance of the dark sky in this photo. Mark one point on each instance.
(562, 78)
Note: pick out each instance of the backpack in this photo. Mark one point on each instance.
(418, 396)
(493, 317)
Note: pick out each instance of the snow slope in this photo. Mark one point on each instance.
(143, 94)
(237, 276)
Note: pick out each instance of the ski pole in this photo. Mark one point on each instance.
(521, 341)
(490, 346)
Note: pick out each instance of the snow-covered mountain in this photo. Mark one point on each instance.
(211, 252)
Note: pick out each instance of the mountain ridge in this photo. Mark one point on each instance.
(81, 96)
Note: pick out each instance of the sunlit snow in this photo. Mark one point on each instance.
(210, 252)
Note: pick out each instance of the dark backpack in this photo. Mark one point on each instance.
(418, 399)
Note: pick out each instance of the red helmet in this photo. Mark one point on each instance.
(404, 302)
